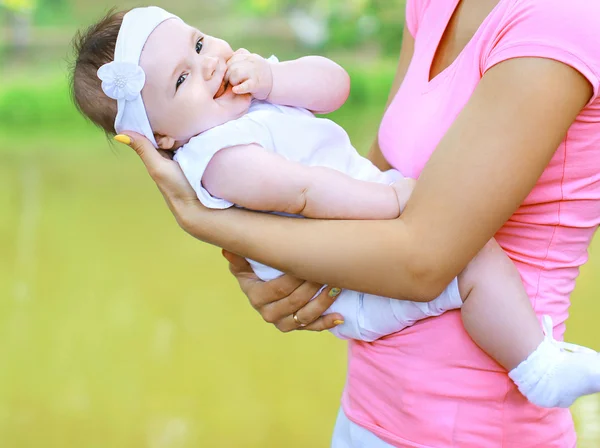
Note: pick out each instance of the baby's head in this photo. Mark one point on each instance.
(166, 81)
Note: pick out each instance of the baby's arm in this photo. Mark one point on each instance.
(312, 82)
(257, 179)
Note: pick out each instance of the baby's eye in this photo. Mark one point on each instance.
(199, 45)
(180, 81)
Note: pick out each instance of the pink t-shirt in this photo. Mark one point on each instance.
(429, 385)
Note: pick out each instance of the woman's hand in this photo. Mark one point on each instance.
(172, 183)
(279, 300)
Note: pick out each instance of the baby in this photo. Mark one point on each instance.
(244, 134)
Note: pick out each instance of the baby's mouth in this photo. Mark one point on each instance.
(222, 89)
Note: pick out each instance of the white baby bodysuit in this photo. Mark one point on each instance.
(299, 136)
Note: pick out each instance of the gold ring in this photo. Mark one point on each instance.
(300, 324)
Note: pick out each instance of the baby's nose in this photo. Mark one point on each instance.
(209, 67)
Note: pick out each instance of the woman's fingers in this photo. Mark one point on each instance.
(311, 311)
(237, 265)
(325, 323)
(156, 163)
(260, 293)
(280, 310)
(278, 300)
(167, 174)
(143, 148)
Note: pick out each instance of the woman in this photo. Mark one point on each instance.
(507, 94)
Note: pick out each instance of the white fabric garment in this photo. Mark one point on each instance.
(299, 136)
(348, 434)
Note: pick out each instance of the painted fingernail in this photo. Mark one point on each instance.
(334, 292)
(125, 139)
(338, 322)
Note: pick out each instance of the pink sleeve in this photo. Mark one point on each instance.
(567, 31)
(415, 10)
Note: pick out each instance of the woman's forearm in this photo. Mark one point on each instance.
(308, 249)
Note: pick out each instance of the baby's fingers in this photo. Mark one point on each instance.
(241, 51)
(237, 59)
(237, 74)
(247, 86)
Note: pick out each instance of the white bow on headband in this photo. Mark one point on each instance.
(123, 78)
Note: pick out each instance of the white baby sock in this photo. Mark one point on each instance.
(557, 373)
(368, 317)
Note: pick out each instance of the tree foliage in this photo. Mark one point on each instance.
(349, 23)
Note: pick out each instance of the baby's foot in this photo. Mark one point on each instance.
(557, 373)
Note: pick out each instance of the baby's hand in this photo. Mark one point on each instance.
(403, 189)
(249, 73)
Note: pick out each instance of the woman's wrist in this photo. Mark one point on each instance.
(192, 217)
(216, 227)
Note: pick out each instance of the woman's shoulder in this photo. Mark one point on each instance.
(550, 5)
(566, 31)
(580, 18)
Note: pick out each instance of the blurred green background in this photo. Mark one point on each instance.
(116, 328)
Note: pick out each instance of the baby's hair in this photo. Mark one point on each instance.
(93, 48)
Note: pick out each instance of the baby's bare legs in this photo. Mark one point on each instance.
(497, 312)
(498, 316)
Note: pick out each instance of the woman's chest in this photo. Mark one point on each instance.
(451, 42)
(422, 112)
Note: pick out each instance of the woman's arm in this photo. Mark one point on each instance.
(482, 170)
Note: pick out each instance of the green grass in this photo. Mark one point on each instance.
(119, 330)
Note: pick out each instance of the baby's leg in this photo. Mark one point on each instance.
(498, 315)
(497, 312)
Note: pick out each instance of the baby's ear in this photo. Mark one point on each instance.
(164, 142)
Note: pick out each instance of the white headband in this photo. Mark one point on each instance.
(123, 79)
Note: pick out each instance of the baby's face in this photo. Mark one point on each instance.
(184, 92)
